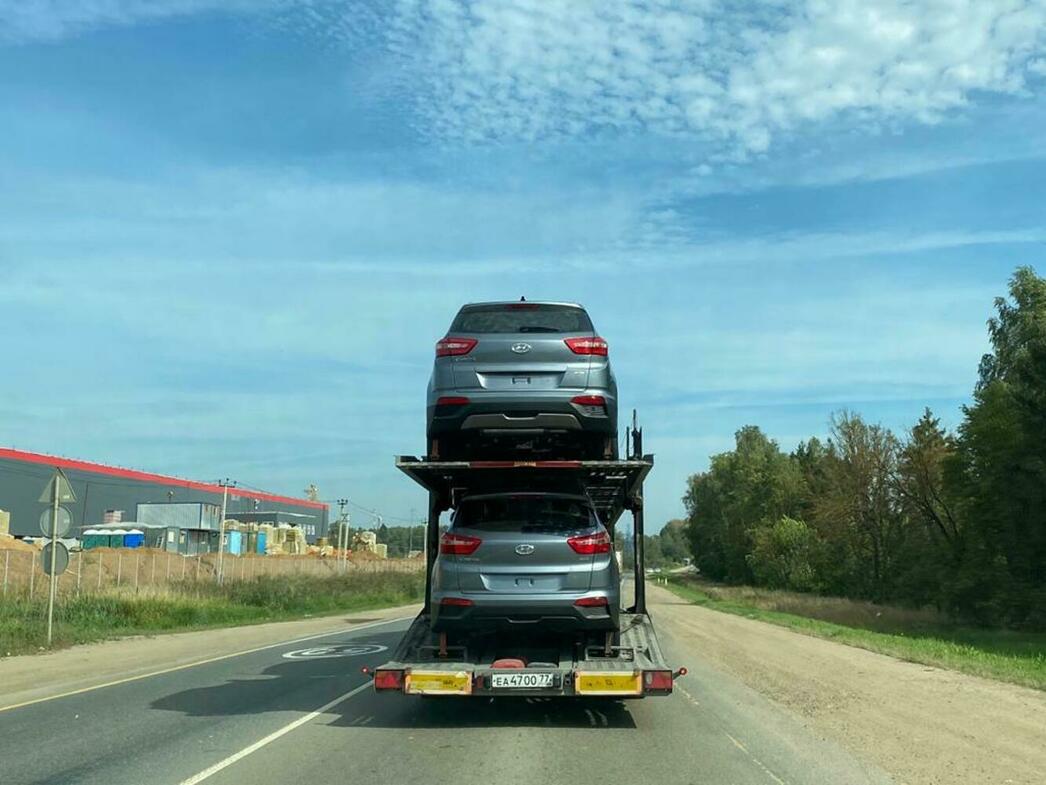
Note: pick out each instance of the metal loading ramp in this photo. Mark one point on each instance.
(613, 486)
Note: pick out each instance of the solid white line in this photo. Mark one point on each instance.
(199, 662)
(223, 764)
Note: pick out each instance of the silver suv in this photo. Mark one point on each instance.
(526, 560)
(533, 376)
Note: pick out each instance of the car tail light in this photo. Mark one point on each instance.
(594, 345)
(659, 681)
(592, 602)
(454, 347)
(591, 543)
(456, 602)
(388, 680)
(452, 400)
(458, 544)
(589, 400)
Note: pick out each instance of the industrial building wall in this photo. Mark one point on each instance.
(22, 482)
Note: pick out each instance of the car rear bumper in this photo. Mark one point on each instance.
(515, 612)
(547, 412)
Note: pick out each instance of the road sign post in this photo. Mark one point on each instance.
(58, 490)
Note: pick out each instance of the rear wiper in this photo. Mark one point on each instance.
(537, 329)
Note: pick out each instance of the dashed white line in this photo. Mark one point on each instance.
(224, 764)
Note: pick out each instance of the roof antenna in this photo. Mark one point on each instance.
(522, 299)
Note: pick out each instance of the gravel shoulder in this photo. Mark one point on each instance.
(921, 724)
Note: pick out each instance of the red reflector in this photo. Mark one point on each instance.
(460, 602)
(452, 400)
(589, 400)
(458, 544)
(388, 680)
(587, 346)
(591, 543)
(657, 680)
(509, 662)
(454, 347)
(592, 602)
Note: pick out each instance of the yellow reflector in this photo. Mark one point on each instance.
(608, 683)
(439, 683)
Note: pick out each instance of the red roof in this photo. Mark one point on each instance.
(132, 474)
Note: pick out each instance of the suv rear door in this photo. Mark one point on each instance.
(525, 546)
(521, 347)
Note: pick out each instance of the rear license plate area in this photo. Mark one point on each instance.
(523, 680)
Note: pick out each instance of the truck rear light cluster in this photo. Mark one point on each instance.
(458, 544)
(455, 347)
(592, 602)
(657, 681)
(388, 680)
(595, 345)
(590, 543)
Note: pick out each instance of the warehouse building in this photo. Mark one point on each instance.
(104, 493)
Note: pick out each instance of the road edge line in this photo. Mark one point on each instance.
(236, 756)
(196, 663)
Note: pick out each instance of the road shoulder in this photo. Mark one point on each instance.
(922, 724)
(34, 677)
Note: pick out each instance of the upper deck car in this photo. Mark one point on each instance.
(531, 376)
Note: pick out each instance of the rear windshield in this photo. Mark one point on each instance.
(527, 514)
(521, 318)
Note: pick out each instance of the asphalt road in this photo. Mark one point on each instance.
(302, 712)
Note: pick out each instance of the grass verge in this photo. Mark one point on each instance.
(915, 636)
(189, 606)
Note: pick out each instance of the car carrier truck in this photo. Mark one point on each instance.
(626, 664)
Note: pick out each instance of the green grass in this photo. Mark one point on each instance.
(118, 613)
(916, 636)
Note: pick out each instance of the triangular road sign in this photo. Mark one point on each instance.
(65, 490)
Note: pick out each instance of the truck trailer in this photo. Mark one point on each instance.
(627, 664)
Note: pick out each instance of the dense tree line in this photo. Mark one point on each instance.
(955, 520)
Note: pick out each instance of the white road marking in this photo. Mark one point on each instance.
(689, 697)
(224, 764)
(602, 718)
(591, 717)
(755, 760)
(198, 662)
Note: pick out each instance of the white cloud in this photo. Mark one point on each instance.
(50, 20)
(529, 69)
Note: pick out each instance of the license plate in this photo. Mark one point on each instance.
(520, 681)
(608, 684)
(439, 683)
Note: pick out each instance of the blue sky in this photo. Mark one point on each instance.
(230, 232)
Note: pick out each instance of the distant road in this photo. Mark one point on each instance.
(301, 712)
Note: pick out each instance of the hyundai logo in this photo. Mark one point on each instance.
(521, 348)
(525, 549)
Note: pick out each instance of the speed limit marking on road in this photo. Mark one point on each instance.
(347, 650)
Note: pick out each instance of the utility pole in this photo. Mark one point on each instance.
(343, 535)
(410, 533)
(226, 484)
